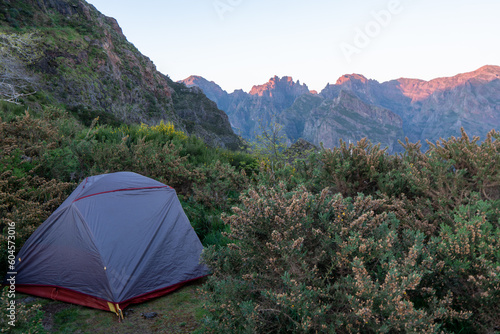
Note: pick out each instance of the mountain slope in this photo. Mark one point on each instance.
(87, 64)
(213, 91)
(304, 114)
(345, 117)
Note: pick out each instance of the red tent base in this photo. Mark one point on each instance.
(75, 297)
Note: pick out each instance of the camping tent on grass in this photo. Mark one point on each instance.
(118, 239)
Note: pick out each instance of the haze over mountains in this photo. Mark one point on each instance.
(356, 107)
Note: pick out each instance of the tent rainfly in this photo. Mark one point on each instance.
(118, 239)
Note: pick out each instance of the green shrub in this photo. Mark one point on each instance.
(451, 170)
(305, 263)
(363, 168)
(469, 253)
(347, 240)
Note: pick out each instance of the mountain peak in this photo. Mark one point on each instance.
(284, 84)
(199, 81)
(192, 79)
(212, 90)
(351, 77)
(494, 69)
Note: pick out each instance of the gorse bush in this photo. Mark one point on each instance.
(405, 243)
(27, 197)
(305, 263)
(453, 169)
(353, 169)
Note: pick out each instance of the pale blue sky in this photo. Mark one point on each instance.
(240, 43)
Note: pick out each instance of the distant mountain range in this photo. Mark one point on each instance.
(356, 107)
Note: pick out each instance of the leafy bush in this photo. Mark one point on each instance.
(451, 170)
(469, 252)
(364, 168)
(27, 201)
(306, 263)
(27, 196)
(420, 254)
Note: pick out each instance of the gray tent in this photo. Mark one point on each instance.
(118, 239)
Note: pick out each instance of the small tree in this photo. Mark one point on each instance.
(17, 52)
(271, 142)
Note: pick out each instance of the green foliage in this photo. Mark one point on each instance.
(28, 318)
(44, 154)
(451, 170)
(469, 252)
(87, 115)
(420, 254)
(364, 168)
(270, 144)
(345, 240)
(306, 263)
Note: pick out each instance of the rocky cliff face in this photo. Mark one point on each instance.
(248, 112)
(356, 107)
(213, 91)
(438, 108)
(88, 65)
(319, 120)
(304, 114)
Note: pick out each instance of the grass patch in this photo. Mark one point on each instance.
(178, 312)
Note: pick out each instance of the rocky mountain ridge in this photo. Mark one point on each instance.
(356, 107)
(437, 108)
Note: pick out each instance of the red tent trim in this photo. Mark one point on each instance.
(79, 298)
(116, 190)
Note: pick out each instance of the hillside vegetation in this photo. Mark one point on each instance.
(346, 240)
(65, 52)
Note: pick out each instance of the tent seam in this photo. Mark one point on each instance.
(98, 250)
(86, 180)
(117, 190)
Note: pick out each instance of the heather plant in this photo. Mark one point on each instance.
(302, 262)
